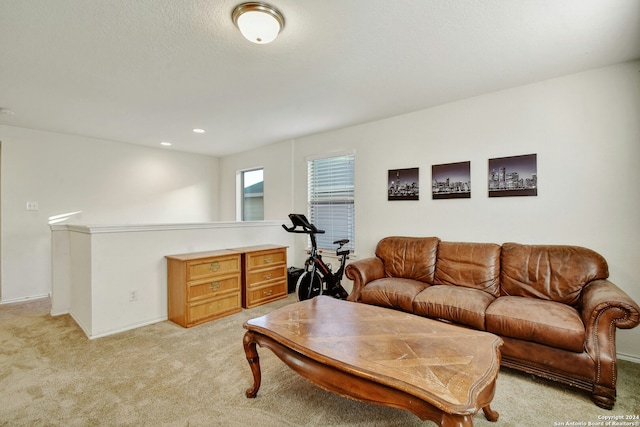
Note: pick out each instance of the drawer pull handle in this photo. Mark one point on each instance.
(268, 259)
(215, 266)
(268, 276)
(214, 286)
(268, 293)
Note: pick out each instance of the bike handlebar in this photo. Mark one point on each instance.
(299, 220)
(293, 230)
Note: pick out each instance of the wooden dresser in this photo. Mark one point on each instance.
(264, 274)
(203, 286)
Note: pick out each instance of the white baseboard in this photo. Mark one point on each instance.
(629, 358)
(23, 299)
(90, 336)
(127, 328)
(85, 330)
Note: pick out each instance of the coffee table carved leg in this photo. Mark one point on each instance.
(254, 362)
(449, 420)
(490, 414)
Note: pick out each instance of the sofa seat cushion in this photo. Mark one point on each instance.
(544, 322)
(464, 306)
(392, 293)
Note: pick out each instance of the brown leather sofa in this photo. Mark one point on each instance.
(552, 305)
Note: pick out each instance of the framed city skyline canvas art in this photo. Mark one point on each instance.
(403, 184)
(513, 176)
(451, 181)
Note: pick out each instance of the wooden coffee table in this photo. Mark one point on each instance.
(437, 371)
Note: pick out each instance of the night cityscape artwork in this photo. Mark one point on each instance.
(451, 181)
(403, 184)
(513, 176)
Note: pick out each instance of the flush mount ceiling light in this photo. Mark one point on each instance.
(258, 22)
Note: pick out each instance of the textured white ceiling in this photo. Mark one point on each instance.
(147, 71)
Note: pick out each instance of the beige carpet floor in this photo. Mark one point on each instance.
(165, 375)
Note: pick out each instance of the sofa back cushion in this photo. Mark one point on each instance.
(409, 257)
(472, 265)
(549, 272)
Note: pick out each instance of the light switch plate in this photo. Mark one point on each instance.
(33, 206)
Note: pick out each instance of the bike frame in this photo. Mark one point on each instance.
(329, 278)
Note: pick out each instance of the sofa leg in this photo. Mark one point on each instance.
(604, 397)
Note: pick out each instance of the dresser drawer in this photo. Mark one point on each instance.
(258, 278)
(213, 287)
(211, 309)
(258, 296)
(203, 268)
(266, 258)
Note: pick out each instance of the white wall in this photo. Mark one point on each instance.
(112, 183)
(584, 128)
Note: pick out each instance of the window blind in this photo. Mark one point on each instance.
(331, 199)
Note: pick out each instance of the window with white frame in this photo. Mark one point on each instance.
(331, 199)
(252, 186)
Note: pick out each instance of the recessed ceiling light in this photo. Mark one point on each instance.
(165, 143)
(6, 111)
(198, 130)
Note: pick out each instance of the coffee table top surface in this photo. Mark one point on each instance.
(446, 365)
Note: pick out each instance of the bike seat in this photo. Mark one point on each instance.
(341, 242)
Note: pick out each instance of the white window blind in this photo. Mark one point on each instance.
(331, 199)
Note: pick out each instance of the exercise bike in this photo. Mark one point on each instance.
(318, 279)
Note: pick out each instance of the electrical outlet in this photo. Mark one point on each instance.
(133, 295)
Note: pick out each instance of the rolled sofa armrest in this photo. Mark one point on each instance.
(362, 272)
(600, 296)
(605, 307)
